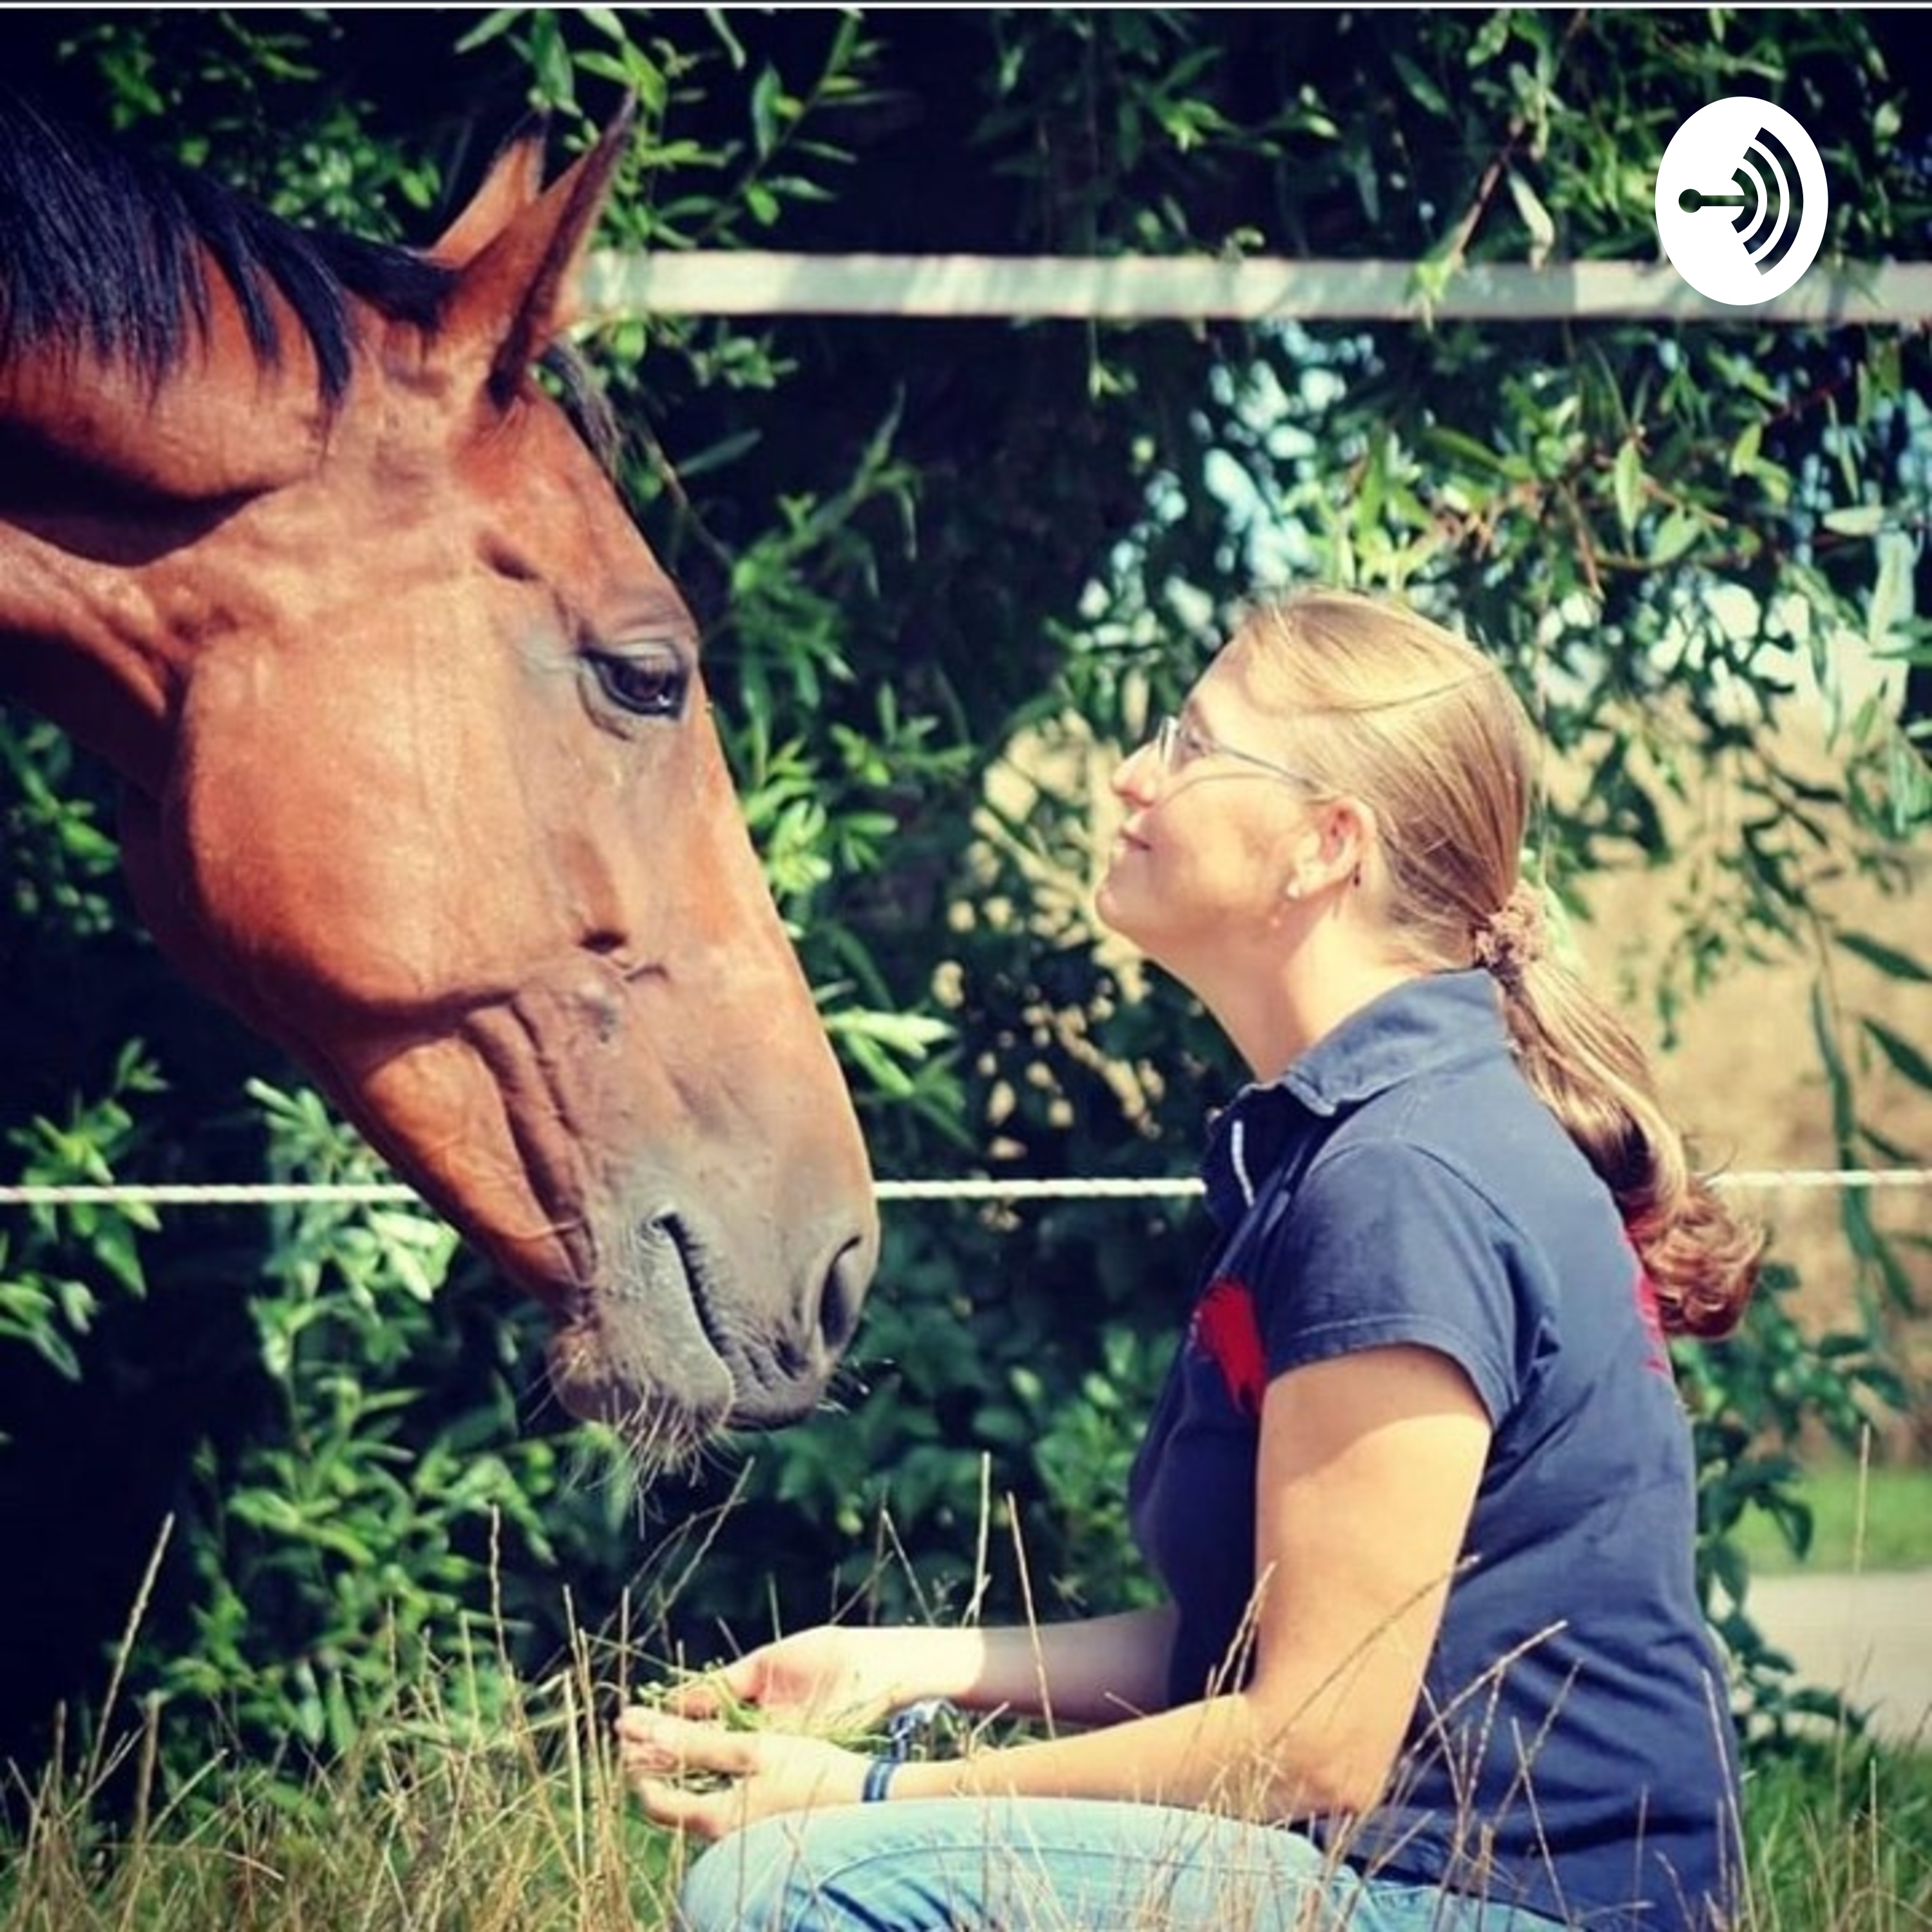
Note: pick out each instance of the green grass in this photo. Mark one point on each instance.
(1871, 1518)
(1840, 1841)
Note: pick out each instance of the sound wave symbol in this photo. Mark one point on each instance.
(1781, 203)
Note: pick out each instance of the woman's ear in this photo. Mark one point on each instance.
(1345, 834)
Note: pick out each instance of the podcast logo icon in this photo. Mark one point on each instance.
(1741, 200)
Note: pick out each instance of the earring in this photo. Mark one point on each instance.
(1292, 890)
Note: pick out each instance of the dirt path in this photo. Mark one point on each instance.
(1868, 1636)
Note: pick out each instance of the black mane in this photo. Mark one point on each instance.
(100, 247)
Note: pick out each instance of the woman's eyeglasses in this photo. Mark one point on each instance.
(1176, 743)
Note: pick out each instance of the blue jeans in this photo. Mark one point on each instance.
(1051, 1864)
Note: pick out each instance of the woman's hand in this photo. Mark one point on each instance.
(808, 1689)
(827, 1682)
(769, 1772)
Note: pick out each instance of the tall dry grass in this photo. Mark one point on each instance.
(473, 1802)
(434, 1820)
(478, 1803)
(423, 1829)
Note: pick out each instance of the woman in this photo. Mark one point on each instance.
(1419, 1487)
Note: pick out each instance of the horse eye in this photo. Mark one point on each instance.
(650, 686)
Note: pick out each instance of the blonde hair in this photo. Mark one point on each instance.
(1390, 709)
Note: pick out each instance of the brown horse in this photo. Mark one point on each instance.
(421, 779)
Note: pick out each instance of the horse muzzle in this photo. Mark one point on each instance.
(679, 1339)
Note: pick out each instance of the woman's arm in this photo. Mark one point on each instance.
(836, 1677)
(1369, 1469)
(1097, 1671)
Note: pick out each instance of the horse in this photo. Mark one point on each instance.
(418, 775)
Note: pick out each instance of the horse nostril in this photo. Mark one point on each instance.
(844, 1295)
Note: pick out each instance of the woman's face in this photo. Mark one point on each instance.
(1208, 839)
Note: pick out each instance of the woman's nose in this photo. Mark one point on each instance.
(1137, 777)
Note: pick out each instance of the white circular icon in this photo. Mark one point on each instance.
(1741, 200)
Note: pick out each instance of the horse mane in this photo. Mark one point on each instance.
(110, 248)
(107, 246)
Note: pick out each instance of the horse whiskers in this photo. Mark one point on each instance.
(650, 1447)
(843, 1393)
(543, 1403)
(605, 1467)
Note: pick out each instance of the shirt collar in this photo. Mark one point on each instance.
(1425, 1026)
(1429, 1025)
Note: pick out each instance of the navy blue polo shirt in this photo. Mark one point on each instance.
(1572, 1750)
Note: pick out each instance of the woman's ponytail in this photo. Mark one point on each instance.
(1591, 1071)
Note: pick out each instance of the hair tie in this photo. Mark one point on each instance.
(1514, 936)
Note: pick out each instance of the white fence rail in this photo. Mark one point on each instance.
(976, 1188)
(1163, 288)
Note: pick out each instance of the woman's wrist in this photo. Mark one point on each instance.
(924, 1777)
(908, 1733)
(922, 1663)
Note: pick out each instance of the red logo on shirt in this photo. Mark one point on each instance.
(1658, 1355)
(1226, 1330)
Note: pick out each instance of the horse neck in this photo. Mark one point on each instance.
(109, 576)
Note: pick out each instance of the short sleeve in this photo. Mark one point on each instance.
(1384, 1244)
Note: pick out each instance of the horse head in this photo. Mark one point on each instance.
(421, 777)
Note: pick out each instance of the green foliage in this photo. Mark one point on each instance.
(1867, 1516)
(945, 571)
(356, 1522)
(52, 1312)
(1750, 1399)
(1084, 1450)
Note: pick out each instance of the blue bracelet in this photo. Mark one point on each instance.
(904, 1727)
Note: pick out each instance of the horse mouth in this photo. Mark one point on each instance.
(664, 1347)
(690, 1261)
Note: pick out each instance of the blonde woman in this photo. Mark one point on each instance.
(1419, 1488)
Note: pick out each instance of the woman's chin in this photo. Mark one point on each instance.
(1114, 908)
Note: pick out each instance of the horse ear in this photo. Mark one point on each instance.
(514, 181)
(515, 297)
